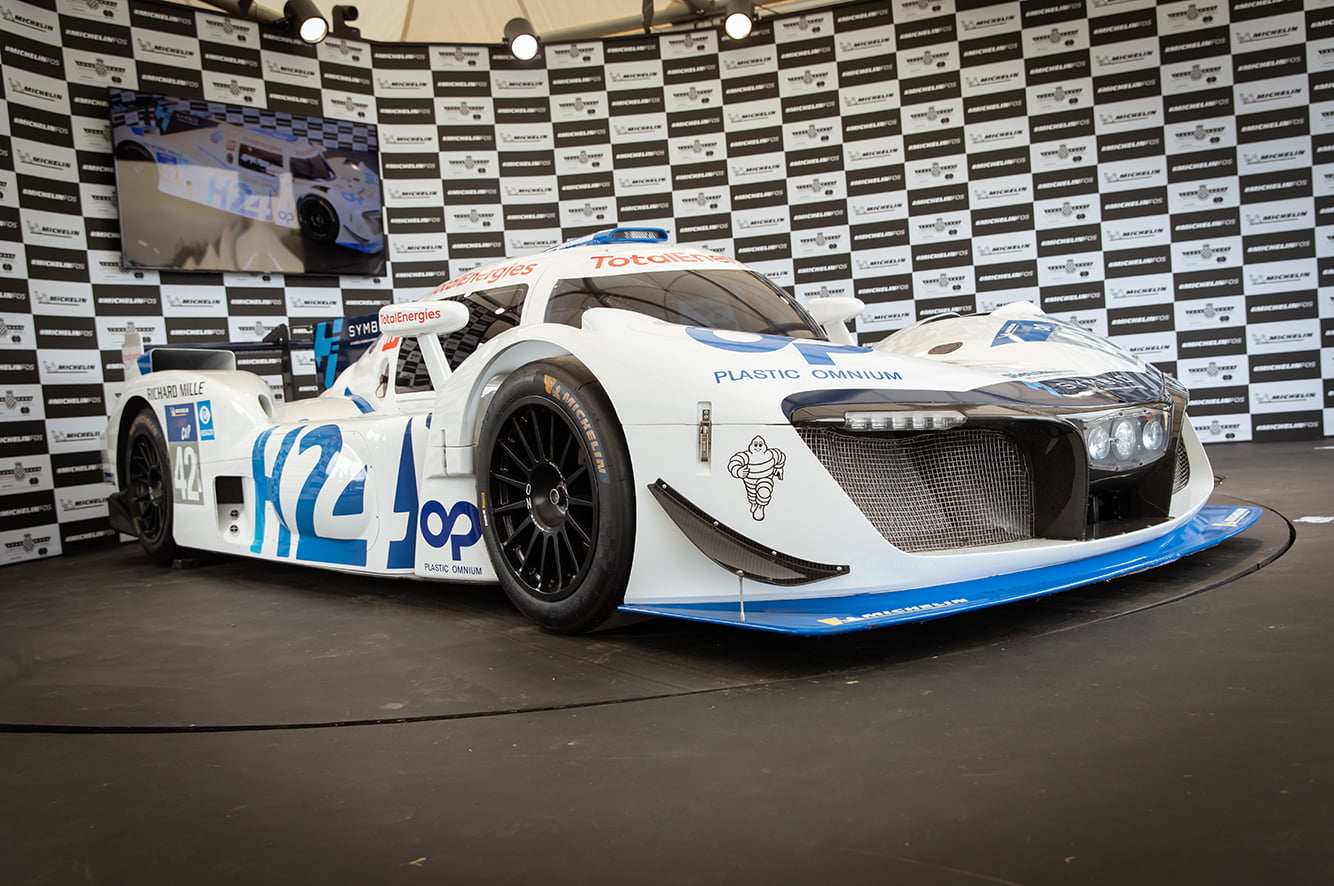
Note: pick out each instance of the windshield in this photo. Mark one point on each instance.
(314, 167)
(716, 299)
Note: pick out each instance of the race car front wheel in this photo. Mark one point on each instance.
(317, 219)
(557, 496)
(148, 484)
(133, 151)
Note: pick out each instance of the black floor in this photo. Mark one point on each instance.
(241, 723)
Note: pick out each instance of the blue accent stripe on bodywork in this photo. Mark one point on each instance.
(362, 403)
(835, 615)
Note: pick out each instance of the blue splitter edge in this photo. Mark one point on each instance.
(836, 615)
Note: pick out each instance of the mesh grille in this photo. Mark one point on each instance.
(1183, 469)
(935, 490)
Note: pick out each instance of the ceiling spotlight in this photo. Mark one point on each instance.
(306, 20)
(740, 14)
(341, 16)
(521, 39)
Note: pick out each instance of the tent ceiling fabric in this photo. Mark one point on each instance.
(471, 21)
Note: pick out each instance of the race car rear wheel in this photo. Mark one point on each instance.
(318, 219)
(557, 496)
(148, 487)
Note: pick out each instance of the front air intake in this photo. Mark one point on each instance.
(932, 491)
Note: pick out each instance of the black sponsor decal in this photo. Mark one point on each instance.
(1289, 184)
(580, 187)
(862, 15)
(630, 49)
(927, 32)
(935, 256)
(65, 332)
(517, 163)
(1130, 145)
(20, 368)
(699, 175)
(406, 110)
(1062, 126)
(1218, 401)
(1277, 246)
(80, 535)
(1194, 45)
(1065, 183)
(1073, 297)
(402, 166)
(635, 101)
(1268, 125)
(469, 191)
(822, 268)
(1209, 224)
(1006, 275)
(1067, 241)
(284, 97)
(884, 290)
(759, 195)
(1275, 306)
(1291, 366)
(862, 182)
(77, 468)
(689, 70)
(188, 84)
(522, 110)
(96, 168)
(397, 56)
(1268, 63)
(942, 143)
(950, 198)
(532, 216)
(414, 274)
(644, 208)
(857, 127)
(1207, 284)
(1249, 10)
(1127, 86)
(994, 106)
(46, 263)
(25, 509)
(165, 19)
(30, 55)
(932, 88)
(1011, 161)
(73, 401)
(804, 53)
(990, 50)
(1133, 321)
(750, 88)
(1211, 343)
(952, 304)
(1058, 68)
(569, 81)
(113, 300)
(753, 249)
(1327, 332)
(241, 61)
(1126, 26)
(819, 106)
(1279, 426)
(1039, 13)
(1319, 24)
(683, 123)
(1003, 219)
(639, 154)
(477, 245)
(198, 331)
(40, 126)
(859, 72)
(475, 83)
(1201, 165)
(755, 141)
(466, 138)
(1204, 105)
(1134, 204)
(873, 236)
(426, 220)
(1137, 261)
(700, 228)
(103, 38)
(819, 215)
(812, 161)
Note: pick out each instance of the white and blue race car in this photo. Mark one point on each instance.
(267, 176)
(623, 425)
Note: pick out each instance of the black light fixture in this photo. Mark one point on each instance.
(341, 16)
(305, 20)
(740, 16)
(521, 39)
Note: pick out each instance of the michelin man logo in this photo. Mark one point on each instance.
(758, 467)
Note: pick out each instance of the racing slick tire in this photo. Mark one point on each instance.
(318, 219)
(148, 487)
(128, 150)
(557, 495)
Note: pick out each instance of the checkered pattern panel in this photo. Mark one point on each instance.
(1160, 173)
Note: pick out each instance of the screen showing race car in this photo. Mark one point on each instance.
(207, 186)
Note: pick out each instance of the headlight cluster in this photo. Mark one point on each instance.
(1125, 438)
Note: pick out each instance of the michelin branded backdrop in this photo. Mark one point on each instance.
(1163, 174)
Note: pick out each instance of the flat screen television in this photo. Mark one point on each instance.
(207, 186)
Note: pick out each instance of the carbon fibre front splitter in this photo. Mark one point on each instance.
(834, 615)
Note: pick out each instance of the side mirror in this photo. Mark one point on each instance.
(833, 314)
(423, 318)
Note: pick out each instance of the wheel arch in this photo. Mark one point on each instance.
(133, 406)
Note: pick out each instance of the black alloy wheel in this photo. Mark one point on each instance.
(558, 500)
(148, 484)
(318, 219)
